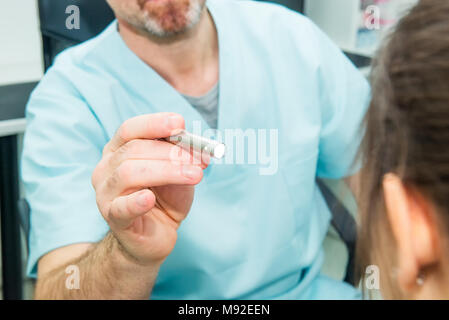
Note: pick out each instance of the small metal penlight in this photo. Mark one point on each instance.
(189, 141)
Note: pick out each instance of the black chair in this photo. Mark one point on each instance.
(345, 226)
(297, 5)
(95, 15)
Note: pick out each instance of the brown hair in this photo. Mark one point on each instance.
(406, 129)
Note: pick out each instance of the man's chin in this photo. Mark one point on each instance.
(173, 26)
(167, 26)
(170, 19)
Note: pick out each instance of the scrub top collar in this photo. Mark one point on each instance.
(148, 85)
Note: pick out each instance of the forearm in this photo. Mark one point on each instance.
(105, 272)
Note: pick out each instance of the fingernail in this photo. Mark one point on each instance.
(191, 172)
(142, 200)
(174, 122)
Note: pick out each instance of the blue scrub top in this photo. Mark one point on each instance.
(248, 236)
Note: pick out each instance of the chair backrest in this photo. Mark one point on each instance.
(24, 217)
(297, 5)
(94, 15)
(345, 225)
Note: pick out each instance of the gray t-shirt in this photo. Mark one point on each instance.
(207, 106)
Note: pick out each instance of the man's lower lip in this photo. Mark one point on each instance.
(145, 2)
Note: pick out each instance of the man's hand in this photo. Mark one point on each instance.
(145, 186)
(144, 189)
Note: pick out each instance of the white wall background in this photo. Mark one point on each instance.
(20, 42)
(341, 19)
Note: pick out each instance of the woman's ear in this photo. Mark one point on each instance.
(415, 233)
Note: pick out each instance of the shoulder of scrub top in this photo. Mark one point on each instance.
(286, 31)
(77, 55)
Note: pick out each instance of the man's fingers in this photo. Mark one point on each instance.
(125, 209)
(151, 150)
(148, 126)
(137, 174)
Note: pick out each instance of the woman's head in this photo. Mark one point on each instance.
(404, 200)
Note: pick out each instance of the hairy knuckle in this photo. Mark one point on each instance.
(104, 210)
(111, 162)
(111, 214)
(125, 171)
(123, 150)
(123, 131)
(127, 151)
(119, 156)
(135, 146)
(112, 181)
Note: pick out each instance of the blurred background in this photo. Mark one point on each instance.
(32, 32)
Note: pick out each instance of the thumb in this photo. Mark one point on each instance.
(125, 209)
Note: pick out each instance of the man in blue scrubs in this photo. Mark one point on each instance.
(98, 116)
